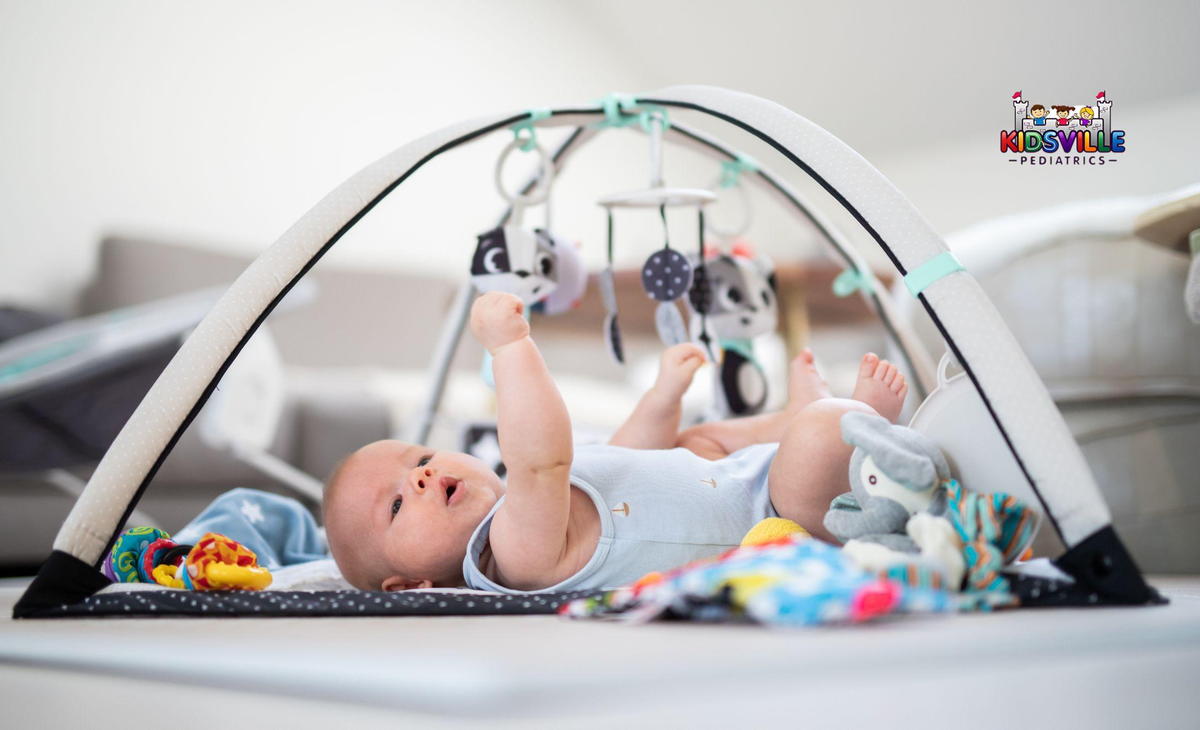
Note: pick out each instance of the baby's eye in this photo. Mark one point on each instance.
(396, 505)
(424, 460)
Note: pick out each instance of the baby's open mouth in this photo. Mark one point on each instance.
(450, 485)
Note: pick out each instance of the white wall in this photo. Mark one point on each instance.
(223, 122)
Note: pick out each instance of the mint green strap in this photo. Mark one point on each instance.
(524, 130)
(621, 110)
(618, 110)
(920, 278)
(1194, 242)
(731, 170)
(850, 281)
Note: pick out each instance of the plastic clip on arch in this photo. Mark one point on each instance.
(850, 281)
(731, 170)
(525, 132)
(622, 110)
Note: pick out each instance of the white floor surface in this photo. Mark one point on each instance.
(1111, 667)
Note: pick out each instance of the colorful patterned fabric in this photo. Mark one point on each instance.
(995, 529)
(794, 581)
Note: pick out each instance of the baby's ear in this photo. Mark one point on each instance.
(400, 583)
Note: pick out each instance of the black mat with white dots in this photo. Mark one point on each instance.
(177, 603)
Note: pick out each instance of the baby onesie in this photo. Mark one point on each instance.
(658, 510)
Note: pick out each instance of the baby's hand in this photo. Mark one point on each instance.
(496, 320)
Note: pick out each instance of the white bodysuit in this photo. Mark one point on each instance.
(658, 510)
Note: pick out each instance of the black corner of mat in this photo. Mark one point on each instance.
(1101, 565)
(295, 604)
(62, 580)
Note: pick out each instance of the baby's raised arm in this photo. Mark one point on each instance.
(529, 531)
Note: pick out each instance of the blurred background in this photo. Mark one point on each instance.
(153, 149)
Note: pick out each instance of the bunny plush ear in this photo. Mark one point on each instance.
(902, 453)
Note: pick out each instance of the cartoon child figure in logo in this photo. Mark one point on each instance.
(1038, 112)
(1085, 116)
(1064, 114)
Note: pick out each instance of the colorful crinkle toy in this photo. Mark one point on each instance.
(791, 581)
(147, 555)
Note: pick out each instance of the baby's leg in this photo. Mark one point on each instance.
(718, 439)
(812, 464)
(654, 423)
(880, 385)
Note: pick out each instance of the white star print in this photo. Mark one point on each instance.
(252, 511)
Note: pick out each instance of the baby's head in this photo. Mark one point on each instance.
(399, 515)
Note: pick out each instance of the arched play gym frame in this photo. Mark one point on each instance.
(1014, 396)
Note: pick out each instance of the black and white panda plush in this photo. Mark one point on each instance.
(737, 295)
(516, 260)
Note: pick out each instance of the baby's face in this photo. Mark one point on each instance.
(407, 511)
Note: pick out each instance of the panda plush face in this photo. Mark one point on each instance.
(742, 302)
(515, 260)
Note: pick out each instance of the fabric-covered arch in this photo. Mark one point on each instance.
(1016, 398)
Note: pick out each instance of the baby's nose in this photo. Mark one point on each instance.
(424, 475)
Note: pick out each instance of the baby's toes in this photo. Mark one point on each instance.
(870, 363)
(898, 383)
(888, 373)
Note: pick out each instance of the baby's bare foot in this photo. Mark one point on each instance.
(805, 383)
(880, 385)
(676, 368)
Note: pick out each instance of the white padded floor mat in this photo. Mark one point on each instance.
(475, 668)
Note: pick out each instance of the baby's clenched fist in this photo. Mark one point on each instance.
(497, 320)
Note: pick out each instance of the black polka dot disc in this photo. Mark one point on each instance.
(666, 275)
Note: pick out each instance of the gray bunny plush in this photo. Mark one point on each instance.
(894, 474)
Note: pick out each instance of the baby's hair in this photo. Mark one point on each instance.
(357, 572)
(1087, 109)
(1035, 107)
(330, 481)
(1062, 108)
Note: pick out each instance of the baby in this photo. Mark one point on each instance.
(402, 516)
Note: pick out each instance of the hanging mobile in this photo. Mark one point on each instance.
(667, 274)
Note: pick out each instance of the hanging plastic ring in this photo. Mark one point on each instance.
(541, 190)
(747, 217)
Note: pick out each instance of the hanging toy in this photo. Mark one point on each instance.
(512, 258)
(738, 298)
(572, 278)
(667, 274)
(544, 271)
(608, 292)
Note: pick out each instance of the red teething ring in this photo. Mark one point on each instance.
(149, 558)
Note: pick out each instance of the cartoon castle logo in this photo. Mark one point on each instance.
(1082, 134)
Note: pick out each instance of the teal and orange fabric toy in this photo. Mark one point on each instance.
(215, 562)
